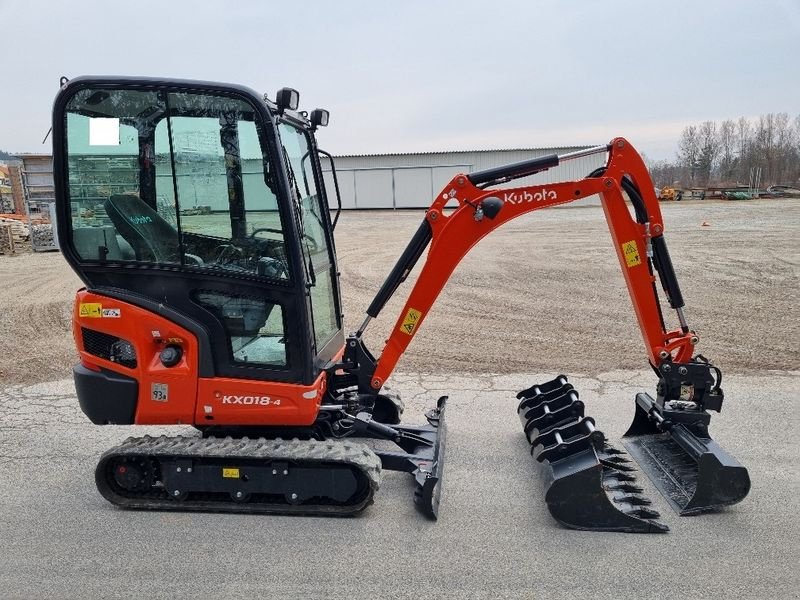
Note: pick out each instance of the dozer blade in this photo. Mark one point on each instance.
(589, 484)
(690, 469)
(422, 454)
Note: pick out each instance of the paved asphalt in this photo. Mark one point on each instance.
(494, 538)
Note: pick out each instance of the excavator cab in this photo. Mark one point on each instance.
(208, 202)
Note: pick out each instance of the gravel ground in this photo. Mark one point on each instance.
(543, 292)
(546, 290)
(541, 296)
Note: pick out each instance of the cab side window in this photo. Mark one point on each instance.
(112, 217)
(172, 178)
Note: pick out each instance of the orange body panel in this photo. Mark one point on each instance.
(223, 401)
(187, 398)
(148, 333)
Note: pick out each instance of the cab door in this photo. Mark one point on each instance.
(306, 189)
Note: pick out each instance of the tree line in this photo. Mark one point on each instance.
(727, 153)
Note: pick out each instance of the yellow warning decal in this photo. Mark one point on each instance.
(631, 252)
(411, 320)
(230, 473)
(92, 310)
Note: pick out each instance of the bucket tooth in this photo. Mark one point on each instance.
(690, 469)
(619, 467)
(622, 476)
(644, 513)
(624, 487)
(633, 499)
(588, 483)
(616, 460)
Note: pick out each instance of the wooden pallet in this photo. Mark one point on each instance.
(7, 245)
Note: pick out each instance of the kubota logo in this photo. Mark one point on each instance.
(544, 194)
(249, 400)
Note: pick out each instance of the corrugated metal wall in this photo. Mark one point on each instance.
(412, 180)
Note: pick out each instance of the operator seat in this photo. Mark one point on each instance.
(153, 239)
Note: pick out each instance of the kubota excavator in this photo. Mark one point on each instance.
(197, 216)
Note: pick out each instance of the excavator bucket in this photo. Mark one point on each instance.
(692, 471)
(590, 485)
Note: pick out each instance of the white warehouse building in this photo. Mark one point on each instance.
(392, 181)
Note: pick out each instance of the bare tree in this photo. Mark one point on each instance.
(794, 172)
(764, 146)
(688, 152)
(664, 173)
(784, 146)
(727, 150)
(708, 150)
(743, 133)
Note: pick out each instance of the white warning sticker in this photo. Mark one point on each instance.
(159, 392)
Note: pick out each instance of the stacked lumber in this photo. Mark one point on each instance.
(19, 229)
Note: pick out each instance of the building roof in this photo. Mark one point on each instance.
(472, 151)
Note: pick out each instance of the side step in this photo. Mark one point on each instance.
(690, 469)
(590, 484)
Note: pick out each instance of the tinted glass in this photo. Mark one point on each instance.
(309, 208)
(105, 148)
(172, 178)
(254, 327)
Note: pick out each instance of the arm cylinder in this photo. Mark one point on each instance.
(666, 272)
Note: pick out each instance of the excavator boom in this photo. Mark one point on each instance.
(482, 209)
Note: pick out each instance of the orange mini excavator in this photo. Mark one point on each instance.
(197, 216)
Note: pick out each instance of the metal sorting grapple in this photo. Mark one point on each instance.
(590, 485)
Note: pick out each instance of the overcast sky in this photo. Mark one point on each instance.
(425, 75)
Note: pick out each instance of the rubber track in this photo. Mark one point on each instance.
(198, 448)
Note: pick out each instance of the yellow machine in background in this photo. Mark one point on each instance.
(670, 193)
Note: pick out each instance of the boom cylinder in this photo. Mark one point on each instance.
(402, 268)
(514, 170)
